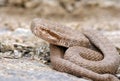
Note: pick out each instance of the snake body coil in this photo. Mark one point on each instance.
(78, 59)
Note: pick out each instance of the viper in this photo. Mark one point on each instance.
(73, 52)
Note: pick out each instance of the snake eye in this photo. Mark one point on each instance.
(49, 34)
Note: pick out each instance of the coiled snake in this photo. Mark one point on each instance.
(70, 51)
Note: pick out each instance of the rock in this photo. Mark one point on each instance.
(4, 30)
(42, 53)
(6, 54)
(26, 70)
(6, 46)
(118, 75)
(17, 54)
(22, 43)
(22, 32)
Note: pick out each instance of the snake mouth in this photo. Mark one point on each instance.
(49, 34)
(45, 33)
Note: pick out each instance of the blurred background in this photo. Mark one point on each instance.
(101, 14)
(23, 54)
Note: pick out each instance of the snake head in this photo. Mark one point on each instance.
(42, 28)
(58, 34)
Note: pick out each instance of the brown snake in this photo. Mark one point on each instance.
(71, 53)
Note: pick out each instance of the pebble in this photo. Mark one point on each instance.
(17, 54)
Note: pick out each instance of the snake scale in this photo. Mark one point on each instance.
(70, 51)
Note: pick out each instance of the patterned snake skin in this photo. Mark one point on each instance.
(71, 53)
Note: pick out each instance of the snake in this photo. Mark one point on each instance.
(83, 54)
